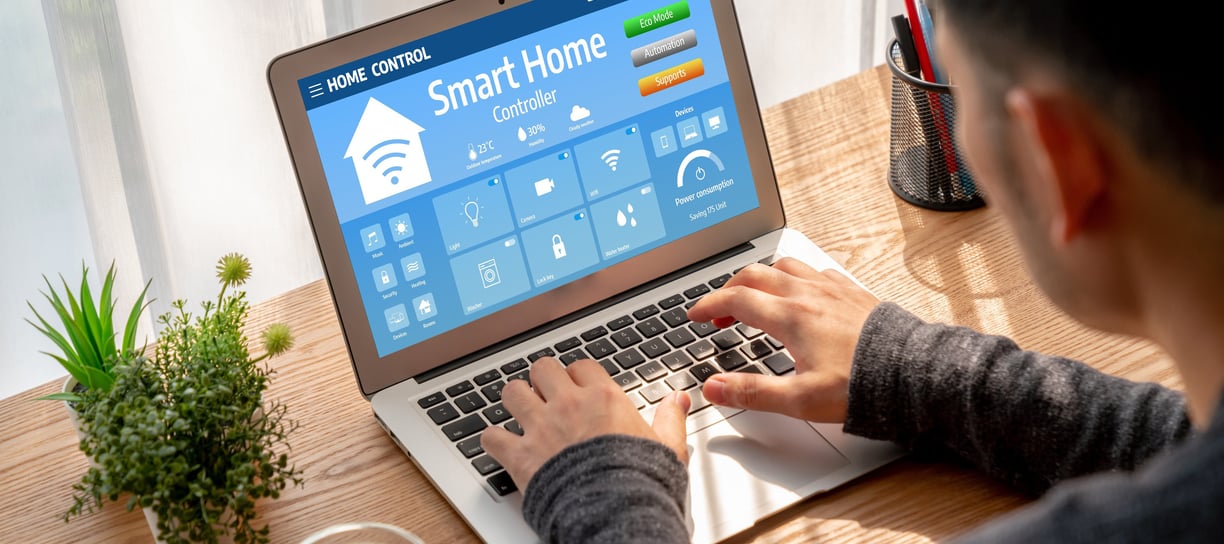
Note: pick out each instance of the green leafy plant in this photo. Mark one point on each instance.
(87, 340)
(187, 433)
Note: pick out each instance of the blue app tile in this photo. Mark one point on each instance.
(425, 307)
(473, 214)
(384, 278)
(714, 122)
(401, 227)
(664, 141)
(372, 238)
(689, 131)
(397, 317)
(612, 162)
(543, 188)
(627, 221)
(560, 248)
(413, 267)
(489, 275)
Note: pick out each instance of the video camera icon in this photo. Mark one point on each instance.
(545, 186)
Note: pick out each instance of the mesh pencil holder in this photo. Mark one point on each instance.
(925, 167)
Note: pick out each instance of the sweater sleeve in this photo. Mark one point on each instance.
(1031, 420)
(612, 488)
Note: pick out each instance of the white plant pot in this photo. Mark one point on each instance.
(151, 518)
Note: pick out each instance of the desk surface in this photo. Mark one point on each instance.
(830, 149)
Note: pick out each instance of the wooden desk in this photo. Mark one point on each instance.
(831, 152)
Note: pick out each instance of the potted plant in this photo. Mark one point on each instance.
(186, 434)
(90, 347)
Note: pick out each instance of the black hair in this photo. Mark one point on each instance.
(1146, 66)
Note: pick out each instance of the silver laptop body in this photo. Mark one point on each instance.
(493, 182)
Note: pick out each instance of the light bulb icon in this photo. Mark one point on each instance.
(471, 209)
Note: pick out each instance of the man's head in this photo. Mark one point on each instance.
(1089, 126)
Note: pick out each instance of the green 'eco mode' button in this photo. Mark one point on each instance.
(656, 19)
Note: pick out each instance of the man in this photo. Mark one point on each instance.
(1103, 153)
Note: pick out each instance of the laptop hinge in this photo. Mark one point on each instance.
(589, 310)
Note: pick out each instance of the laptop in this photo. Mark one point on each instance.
(490, 182)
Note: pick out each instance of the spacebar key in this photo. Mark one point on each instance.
(464, 428)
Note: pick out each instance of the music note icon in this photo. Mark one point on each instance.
(372, 238)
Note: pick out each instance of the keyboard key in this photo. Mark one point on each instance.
(675, 317)
(609, 367)
(620, 323)
(703, 330)
(655, 392)
(676, 360)
(638, 401)
(652, 371)
(703, 371)
(646, 312)
(727, 339)
(573, 357)
(459, 389)
(626, 338)
(749, 332)
(601, 348)
(681, 381)
(442, 413)
(757, 349)
(680, 338)
(514, 366)
(493, 392)
(720, 281)
(470, 402)
(486, 465)
(471, 447)
(696, 292)
(515, 428)
(627, 380)
(730, 360)
(524, 375)
(502, 484)
(546, 352)
(431, 400)
(701, 350)
(699, 400)
(487, 378)
(567, 344)
(651, 327)
(671, 302)
(629, 358)
(464, 428)
(774, 342)
(654, 348)
(496, 414)
(594, 333)
(779, 363)
(750, 369)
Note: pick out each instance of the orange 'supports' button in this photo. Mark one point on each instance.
(671, 77)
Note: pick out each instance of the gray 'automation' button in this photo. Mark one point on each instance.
(664, 48)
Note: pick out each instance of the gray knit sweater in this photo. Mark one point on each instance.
(1033, 421)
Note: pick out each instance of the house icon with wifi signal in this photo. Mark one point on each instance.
(387, 154)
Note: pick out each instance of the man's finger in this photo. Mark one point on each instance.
(756, 308)
(797, 268)
(669, 423)
(772, 280)
(502, 445)
(755, 392)
(587, 372)
(549, 378)
(521, 401)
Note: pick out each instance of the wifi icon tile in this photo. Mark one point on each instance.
(612, 162)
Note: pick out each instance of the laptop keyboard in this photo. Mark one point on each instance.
(649, 352)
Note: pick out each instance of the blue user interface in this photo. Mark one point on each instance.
(483, 165)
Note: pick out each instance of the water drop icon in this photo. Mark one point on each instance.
(522, 135)
(620, 218)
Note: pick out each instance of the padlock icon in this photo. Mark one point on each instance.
(386, 278)
(558, 247)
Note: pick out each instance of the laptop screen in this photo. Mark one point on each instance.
(483, 165)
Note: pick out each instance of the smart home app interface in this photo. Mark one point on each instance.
(484, 165)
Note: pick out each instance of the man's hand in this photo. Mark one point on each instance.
(817, 315)
(570, 405)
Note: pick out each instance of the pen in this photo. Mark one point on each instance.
(937, 111)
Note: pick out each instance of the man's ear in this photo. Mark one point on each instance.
(1066, 151)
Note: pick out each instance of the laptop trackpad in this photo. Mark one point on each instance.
(750, 465)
